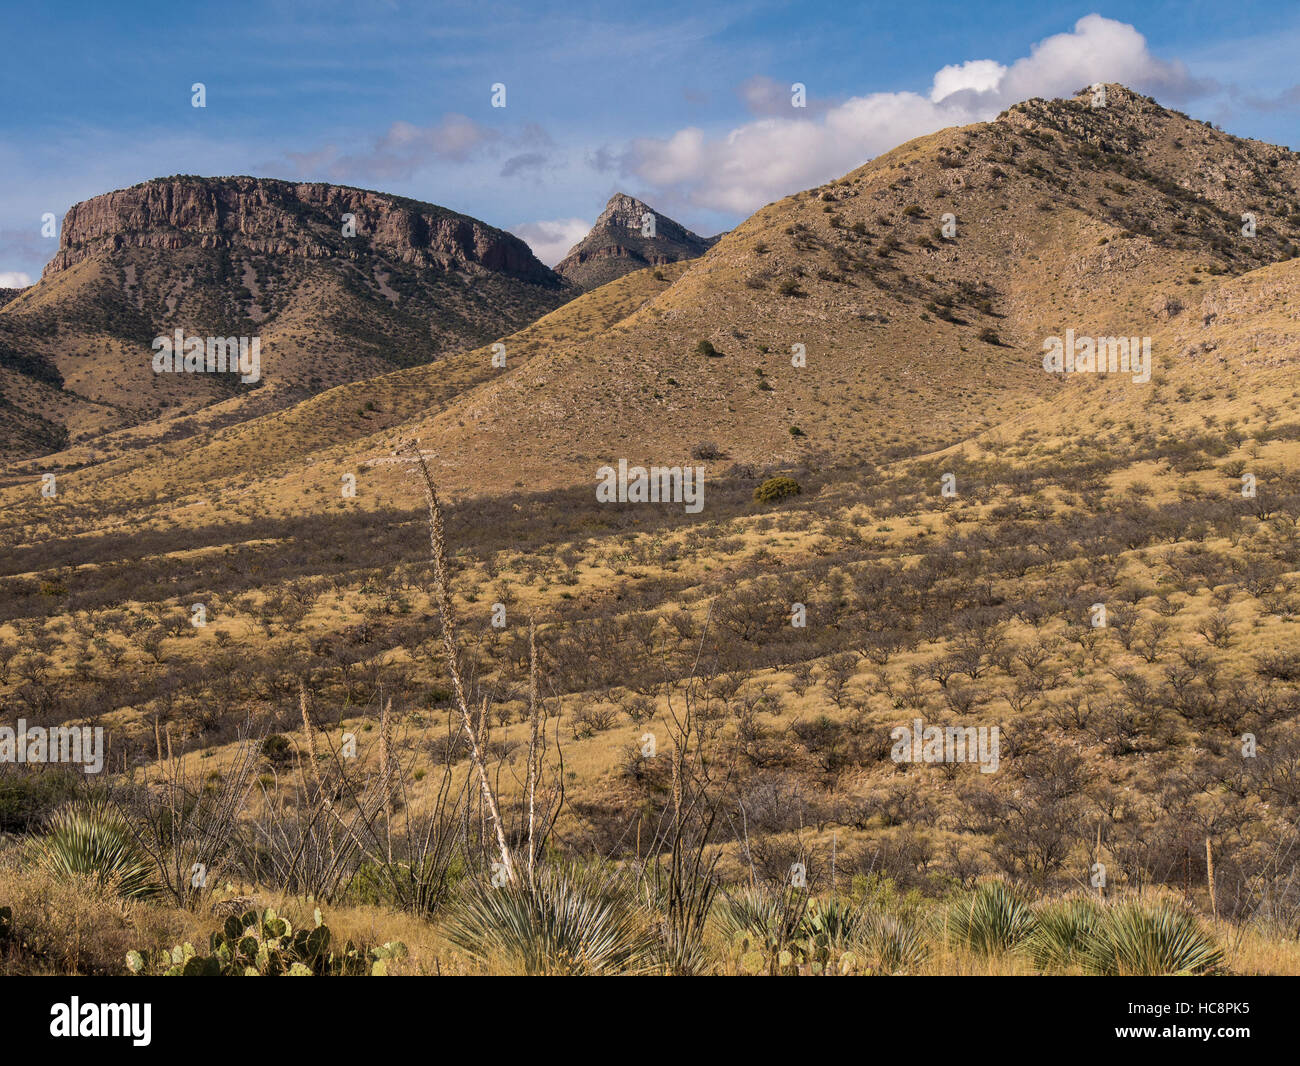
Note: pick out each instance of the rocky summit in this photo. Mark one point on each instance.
(629, 235)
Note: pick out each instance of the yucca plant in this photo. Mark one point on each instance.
(832, 924)
(1142, 939)
(890, 945)
(1063, 932)
(679, 902)
(566, 920)
(991, 921)
(765, 924)
(769, 919)
(92, 840)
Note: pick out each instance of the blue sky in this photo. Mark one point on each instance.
(687, 105)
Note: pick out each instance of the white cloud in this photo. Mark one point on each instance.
(981, 75)
(551, 239)
(772, 156)
(14, 279)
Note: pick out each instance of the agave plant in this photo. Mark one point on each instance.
(92, 840)
(1141, 939)
(565, 920)
(991, 921)
(1063, 931)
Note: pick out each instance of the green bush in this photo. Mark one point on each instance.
(705, 347)
(27, 799)
(777, 488)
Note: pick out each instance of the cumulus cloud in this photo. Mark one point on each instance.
(780, 153)
(979, 75)
(551, 239)
(14, 279)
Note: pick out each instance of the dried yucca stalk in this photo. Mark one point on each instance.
(451, 651)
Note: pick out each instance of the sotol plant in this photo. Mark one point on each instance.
(1063, 932)
(1140, 939)
(565, 920)
(92, 840)
(992, 920)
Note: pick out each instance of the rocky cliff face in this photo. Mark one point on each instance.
(616, 245)
(266, 216)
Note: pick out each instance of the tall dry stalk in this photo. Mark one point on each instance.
(533, 719)
(451, 650)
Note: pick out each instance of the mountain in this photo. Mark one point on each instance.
(622, 241)
(1116, 221)
(1105, 221)
(403, 283)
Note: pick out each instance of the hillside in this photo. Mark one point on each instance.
(1065, 217)
(727, 684)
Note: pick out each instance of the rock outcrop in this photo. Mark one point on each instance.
(622, 241)
(280, 218)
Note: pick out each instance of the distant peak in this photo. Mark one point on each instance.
(622, 209)
(629, 235)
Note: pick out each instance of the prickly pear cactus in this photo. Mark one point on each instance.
(265, 944)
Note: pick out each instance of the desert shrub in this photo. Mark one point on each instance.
(569, 920)
(1279, 666)
(27, 799)
(1141, 939)
(777, 488)
(706, 450)
(705, 347)
(94, 841)
(990, 921)
(277, 749)
(588, 721)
